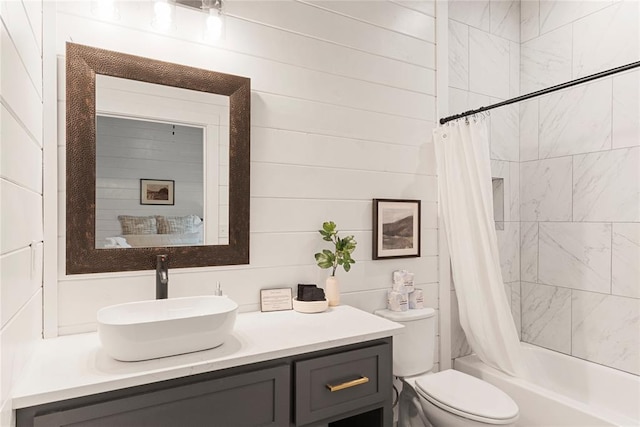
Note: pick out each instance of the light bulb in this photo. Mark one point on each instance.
(162, 15)
(213, 26)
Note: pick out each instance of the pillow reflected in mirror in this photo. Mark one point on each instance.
(138, 224)
(178, 224)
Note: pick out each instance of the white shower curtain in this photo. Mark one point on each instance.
(466, 206)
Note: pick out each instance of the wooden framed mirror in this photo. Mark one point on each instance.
(83, 254)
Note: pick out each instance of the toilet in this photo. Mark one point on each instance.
(447, 398)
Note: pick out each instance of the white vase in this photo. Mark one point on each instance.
(332, 290)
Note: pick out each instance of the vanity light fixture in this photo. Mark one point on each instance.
(163, 15)
(164, 12)
(214, 22)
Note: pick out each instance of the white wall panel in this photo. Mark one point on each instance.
(292, 249)
(315, 54)
(293, 147)
(20, 192)
(386, 15)
(271, 180)
(329, 88)
(21, 160)
(428, 7)
(280, 112)
(304, 215)
(17, 24)
(18, 91)
(21, 221)
(34, 13)
(342, 30)
(251, 43)
(320, 86)
(20, 279)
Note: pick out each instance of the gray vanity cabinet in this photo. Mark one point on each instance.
(257, 398)
(343, 386)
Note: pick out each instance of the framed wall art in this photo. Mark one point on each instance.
(157, 192)
(396, 228)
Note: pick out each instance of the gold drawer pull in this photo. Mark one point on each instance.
(348, 384)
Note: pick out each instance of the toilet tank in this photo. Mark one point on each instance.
(414, 345)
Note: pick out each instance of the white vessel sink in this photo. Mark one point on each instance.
(166, 327)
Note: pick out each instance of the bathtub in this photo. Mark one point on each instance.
(570, 391)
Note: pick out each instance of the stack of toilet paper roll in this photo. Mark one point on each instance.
(403, 294)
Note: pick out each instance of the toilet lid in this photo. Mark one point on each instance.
(468, 397)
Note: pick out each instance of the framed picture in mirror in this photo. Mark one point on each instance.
(157, 192)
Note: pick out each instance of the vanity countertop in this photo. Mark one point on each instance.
(76, 365)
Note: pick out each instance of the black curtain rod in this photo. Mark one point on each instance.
(544, 91)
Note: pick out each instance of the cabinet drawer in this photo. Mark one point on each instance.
(358, 378)
(259, 398)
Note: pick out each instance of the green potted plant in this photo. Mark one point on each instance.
(341, 255)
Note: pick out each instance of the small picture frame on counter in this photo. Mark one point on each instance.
(277, 299)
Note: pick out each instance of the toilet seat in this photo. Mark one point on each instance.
(467, 396)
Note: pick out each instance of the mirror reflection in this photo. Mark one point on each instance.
(102, 86)
(162, 156)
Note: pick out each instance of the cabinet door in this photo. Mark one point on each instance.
(259, 398)
(339, 383)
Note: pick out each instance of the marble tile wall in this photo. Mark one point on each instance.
(575, 255)
(529, 251)
(488, 64)
(626, 110)
(595, 50)
(606, 186)
(545, 60)
(504, 132)
(577, 120)
(558, 13)
(458, 55)
(529, 130)
(580, 182)
(614, 341)
(546, 316)
(484, 68)
(545, 190)
(625, 260)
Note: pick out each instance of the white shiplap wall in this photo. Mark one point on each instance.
(343, 103)
(21, 225)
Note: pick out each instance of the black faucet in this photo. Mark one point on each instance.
(162, 277)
